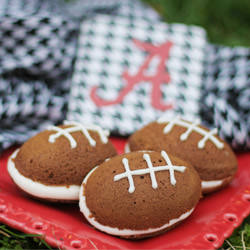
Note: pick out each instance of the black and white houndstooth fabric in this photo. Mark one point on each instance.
(226, 94)
(119, 82)
(113, 52)
(37, 47)
(33, 90)
(125, 8)
(136, 10)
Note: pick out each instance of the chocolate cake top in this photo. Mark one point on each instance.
(63, 155)
(210, 155)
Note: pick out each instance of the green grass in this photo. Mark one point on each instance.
(227, 22)
(240, 239)
(13, 239)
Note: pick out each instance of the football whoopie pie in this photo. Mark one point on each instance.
(212, 157)
(52, 164)
(139, 194)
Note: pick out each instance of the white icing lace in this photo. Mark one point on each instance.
(207, 135)
(66, 132)
(150, 170)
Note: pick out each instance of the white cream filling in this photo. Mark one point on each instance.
(116, 231)
(127, 148)
(211, 184)
(38, 189)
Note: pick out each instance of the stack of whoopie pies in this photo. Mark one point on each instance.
(150, 189)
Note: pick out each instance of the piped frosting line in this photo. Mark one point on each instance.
(101, 132)
(116, 231)
(66, 132)
(38, 189)
(207, 135)
(149, 170)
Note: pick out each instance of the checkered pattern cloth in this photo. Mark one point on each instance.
(130, 68)
(37, 47)
(131, 9)
(107, 49)
(226, 94)
(118, 81)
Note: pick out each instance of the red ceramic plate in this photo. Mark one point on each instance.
(63, 226)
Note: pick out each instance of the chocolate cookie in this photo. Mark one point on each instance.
(139, 194)
(211, 156)
(52, 164)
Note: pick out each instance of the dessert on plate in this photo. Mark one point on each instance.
(52, 164)
(212, 157)
(139, 194)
